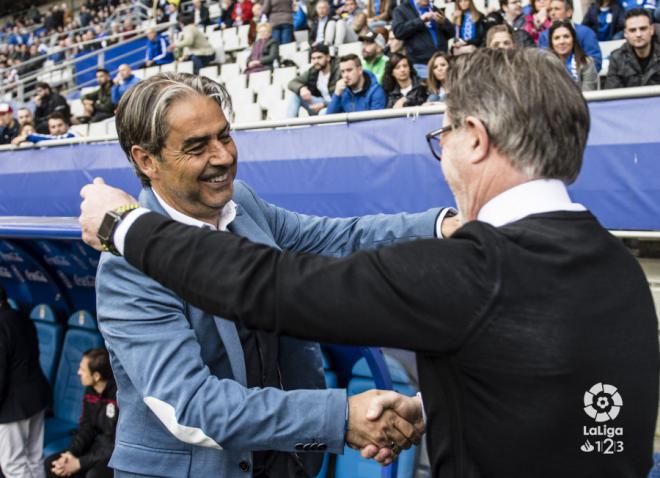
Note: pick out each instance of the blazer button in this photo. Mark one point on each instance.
(322, 446)
(298, 446)
(244, 466)
(307, 446)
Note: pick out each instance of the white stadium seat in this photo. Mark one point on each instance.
(185, 67)
(139, 73)
(346, 48)
(282, 76)
(168, 67)
(209, 72)
(151, 71)
(269, 96)
(97, 130)
(79, 129)
(258, 80)
(277, 110)
(247, 113)
(288, 50)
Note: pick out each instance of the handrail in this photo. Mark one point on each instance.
(411, 112)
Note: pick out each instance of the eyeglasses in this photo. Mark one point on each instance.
(433, 139)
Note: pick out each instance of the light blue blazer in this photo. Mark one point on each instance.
(184, 406)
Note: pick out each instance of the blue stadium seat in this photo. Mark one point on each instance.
(351, 464)
(81, 336)
(49, 333)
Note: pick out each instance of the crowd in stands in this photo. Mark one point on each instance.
(407, 47)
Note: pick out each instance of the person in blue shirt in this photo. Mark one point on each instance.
(124, 81)
(358, 90)
(605, 18)
(561, 10)
(58, 127)
(157, 53)
(645, 4)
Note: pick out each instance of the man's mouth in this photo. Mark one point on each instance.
(216, 178)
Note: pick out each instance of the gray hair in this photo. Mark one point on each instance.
(534, 112)
(142, 110)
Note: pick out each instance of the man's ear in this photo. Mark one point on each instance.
(145, 162)
(479, 141)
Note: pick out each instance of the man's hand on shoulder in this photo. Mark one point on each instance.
(99, 198)
(382, 423)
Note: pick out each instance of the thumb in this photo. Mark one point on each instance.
(98, 181)
(379, 403)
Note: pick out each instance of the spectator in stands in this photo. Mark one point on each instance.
(637, 62)
(201, 13)
(24, 131)
(394, 45)
(649, 5)
(157, 49)
(280, 16)
(124, 81)
(469, 23)
(563, 10)
(8, 125)
(373, 45)
(98, 104)
(313, 88)
(128, 29)
(24, 116)
(537, 20)
(378, 13)
(48, 102)
(354, 22)
(435, 84)
(265, 50)
(499, 36)
(226, 11)
(423, 30)
(58, 128)
(357, 90)
(402, 85)
(24, 395)
(324, 28)
(201, 52)
(510, 14)
(563, 41)
(92, 445)
(241, 14)
(605, 18)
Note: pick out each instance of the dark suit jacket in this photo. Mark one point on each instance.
(24, 389)
(533, 339)
(409, 27)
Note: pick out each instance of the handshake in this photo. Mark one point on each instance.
(382, 423)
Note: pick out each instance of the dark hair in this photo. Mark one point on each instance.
(351, 57)
(43, 85)
(186, 19)
(432, 84)
(99, 361)
(474, 13)
(501, 28)
(637, 12)
(102, 70)
(57, 115)
(389, 82)
(568, 4)
(578, 52)
(3, 297)
(20, 130)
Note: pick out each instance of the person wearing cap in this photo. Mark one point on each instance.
(313, 88)
(8, 125)
(98, 104)
(375, 61)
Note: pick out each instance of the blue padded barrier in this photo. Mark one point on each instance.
(49, 333)
(351, 464)
(68, 393)
(57, 446)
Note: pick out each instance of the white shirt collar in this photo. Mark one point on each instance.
(227, 215)
(533, 197)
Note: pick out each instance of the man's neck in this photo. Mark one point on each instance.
(99, 386)
(645, 51)
(172, 209)
(326, 69)
(509, 18)
(360, 84)
(405, 83)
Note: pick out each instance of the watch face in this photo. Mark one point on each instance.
(107, 227)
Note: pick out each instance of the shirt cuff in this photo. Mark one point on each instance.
(119, 238)
(419, 395)
(446, 212)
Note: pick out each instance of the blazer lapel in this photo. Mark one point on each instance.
(226, 329)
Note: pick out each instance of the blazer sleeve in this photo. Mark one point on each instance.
(427, 295)
(145, 327)
(5, 343)
(404, 28)
(341, 236)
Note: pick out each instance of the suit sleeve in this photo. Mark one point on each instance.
(4, 362)
(145, 327)
(427, 296)
(341, 236)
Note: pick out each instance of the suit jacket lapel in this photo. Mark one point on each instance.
(226, 329)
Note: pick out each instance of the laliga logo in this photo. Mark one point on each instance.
(602, 402)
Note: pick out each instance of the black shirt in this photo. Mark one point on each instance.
(644, 62)
(9, 132)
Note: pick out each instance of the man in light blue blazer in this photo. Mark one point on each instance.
(198, 396)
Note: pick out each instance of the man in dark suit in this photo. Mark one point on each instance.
(535, 330)
(24, 395)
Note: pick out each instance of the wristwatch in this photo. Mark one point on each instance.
(109, 225)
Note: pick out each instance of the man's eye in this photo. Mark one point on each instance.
(224, 138)
(196, 150)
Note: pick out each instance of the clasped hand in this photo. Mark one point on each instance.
(382, 423)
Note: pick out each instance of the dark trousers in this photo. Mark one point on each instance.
(283, 33)
(200, 62)
(99, 470)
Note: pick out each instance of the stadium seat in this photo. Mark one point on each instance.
(81, 336)
(282, 76)
(242, 59)
(287, 51)
(243, 32)
(351, 464)
(111, 127)
(215, 38)
(346, 48)
(209, 72)
(79, 129)
(171, 67)
(269, 95)
(49, 334)
(139, 73)
(214, 10)
(76, 107)
(185, 67)
(87, 89)
(607, 47)
(151, 71)
(236, 82)
(97, 130)
(301, 36)
(229, 71)
(259, 80)
(57, 445)
(247, 112)
(277, 111)
(301, 58)
(230, 39)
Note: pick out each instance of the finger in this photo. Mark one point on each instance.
(369, 451)
(381, 402)
(396, 438)
(383, 455)
(408, 430)
(98, 180)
